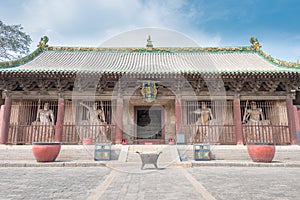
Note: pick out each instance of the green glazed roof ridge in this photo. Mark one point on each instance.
(278, 62)
(146, 49)
(40, 49)
(246, 49)
(23, 60)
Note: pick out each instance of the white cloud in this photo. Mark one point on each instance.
(90, 22)
(160, 37)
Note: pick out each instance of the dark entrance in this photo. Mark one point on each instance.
(149, 124)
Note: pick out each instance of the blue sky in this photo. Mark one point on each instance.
(207, 22)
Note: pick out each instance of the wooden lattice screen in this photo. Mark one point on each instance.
(25, 112)
(272, 128)
(273, 110)
(74, 112)
(219, 130)
(76, 126)
(24, 129)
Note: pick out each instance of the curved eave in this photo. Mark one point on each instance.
(204, 74)
(21, 61)
(283, 64)
(277, 62)
(266, 56)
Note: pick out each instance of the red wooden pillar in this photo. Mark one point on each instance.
(292, 121)
(1, 122)
(5, 119)
(59, 120)
(298, 112)
(119, 121)
(297, 124)
(238, 121)
(178, 115)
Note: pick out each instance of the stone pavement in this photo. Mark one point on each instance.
(169, 183)
(75, 175)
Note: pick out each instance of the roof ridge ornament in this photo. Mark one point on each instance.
(255, 44)
(149, 42)
(43, 42)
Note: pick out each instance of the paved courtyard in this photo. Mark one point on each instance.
(165, 183)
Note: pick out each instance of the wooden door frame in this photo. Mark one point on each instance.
(154, 141)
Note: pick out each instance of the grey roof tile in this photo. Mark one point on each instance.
(148, 62)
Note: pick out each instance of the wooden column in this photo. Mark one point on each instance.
(59, 120)
(292, 121)
(298, 112)
(238, 121)
(1, 122)
(1, 99)
(119, 120)
(178, 114)
(297, 124)
(5, 119)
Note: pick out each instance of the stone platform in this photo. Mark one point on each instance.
(125, 155)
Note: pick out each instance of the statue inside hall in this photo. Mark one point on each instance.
(205, 114)
(45, 115)
(256, 125)
(253, 115)
(95, 115)
(201, 127)
(97, 127)
(44, 124)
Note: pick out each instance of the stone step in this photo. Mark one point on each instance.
(127, 153)
(223, 152)
(67, 152)
(186, 152)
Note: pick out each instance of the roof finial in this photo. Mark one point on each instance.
(255, 44)
(149, 42)
(43, 42)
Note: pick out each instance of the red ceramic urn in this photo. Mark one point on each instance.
(46, 151)
(261, 152)
(87, 141)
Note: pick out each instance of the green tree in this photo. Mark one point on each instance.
(14, 43)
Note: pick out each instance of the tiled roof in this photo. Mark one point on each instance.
(143, 60)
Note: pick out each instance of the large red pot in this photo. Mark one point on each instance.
(46, 151)
(261, 152)
(87, 141)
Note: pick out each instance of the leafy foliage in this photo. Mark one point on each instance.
(14, 43)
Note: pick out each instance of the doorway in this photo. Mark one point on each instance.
(149, 123)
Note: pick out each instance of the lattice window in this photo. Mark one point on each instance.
(222, 110)
(83, 112)
(273, 110)
(25, 111)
